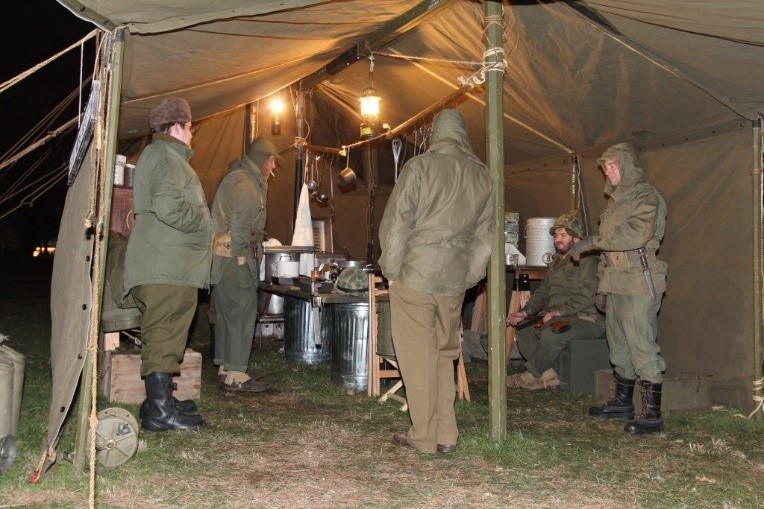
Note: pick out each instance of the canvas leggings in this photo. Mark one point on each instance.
(425, 330)
(168, 311)
(235, 298)
(631, 324)
(541, 347)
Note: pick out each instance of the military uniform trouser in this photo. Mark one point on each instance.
(631, 324)
(235, 299)
(425, 330)
(168, 311)
(541, 347)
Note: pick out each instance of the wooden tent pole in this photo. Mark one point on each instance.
(758, 347)
(497, 286)
(107, 155)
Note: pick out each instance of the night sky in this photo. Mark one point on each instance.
(32, 32)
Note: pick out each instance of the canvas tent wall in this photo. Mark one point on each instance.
(680, 80)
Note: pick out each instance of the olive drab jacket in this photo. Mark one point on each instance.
(634, 218)
(172, 237)
(437, 228)
(569, 288)
(239, 209)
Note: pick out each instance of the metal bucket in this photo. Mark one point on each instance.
(384, 331)
(301, 343)
(269, 304)
(349, 344)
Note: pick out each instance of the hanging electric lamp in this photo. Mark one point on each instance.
(277, 107)
(369, 104)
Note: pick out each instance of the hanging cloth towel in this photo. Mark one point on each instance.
(303, 231)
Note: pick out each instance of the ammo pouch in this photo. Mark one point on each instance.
(221, 244)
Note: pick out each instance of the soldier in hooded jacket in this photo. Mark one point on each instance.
(634, 219)
(435, 235)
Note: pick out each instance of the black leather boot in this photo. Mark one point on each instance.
(187, 406)
(621, 406)
(649, 419)
(162, 414)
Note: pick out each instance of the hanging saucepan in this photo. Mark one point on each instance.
(347, 175)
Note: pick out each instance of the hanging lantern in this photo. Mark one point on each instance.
(369, 104)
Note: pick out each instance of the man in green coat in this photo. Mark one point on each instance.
(167, 260)
(238, 222)
(564, 299)
(634, 279)
(435, 235)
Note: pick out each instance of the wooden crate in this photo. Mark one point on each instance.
(681, 390)
(121, 380)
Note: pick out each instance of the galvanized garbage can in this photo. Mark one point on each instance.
(349, 344)
(301, 343)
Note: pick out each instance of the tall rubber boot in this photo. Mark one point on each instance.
(187, 406)
(649, 419)
(162, 414)
(622, 405)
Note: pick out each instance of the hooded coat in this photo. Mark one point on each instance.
(239, 208)
(172, 237)
(635, 217)
(437, 228)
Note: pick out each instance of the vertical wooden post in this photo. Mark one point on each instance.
(497, 297)
(757, 247)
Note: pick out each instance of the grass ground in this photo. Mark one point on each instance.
(311, 443)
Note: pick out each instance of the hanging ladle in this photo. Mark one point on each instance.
(312, 183)
(397, 143)
(321, 197)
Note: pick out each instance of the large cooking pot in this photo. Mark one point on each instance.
(282, 261)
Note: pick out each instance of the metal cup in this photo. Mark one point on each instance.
(346, 177)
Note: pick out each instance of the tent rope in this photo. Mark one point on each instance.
(500, 65)
(758, 386)
(8, 84)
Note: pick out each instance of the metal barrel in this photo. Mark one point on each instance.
(349, 337)
(301, 343)
(19, 363)
(6, 397)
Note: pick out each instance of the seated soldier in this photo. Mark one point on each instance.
(562, 309)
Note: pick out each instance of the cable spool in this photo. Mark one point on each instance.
(539, 245)
(116, 438)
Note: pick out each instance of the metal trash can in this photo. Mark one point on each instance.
(301, 343)
(349, 338)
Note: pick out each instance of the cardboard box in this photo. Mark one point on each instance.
(121, 380)
(681, 390)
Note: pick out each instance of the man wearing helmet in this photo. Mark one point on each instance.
(564, 303)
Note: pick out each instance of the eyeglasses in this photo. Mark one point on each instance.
(190, 127)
